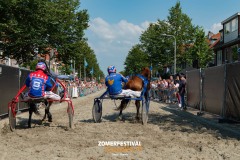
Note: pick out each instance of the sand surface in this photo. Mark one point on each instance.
(170, 134)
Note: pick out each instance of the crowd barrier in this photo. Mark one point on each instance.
(215, 90)
(12, 79)
(75, 92)
(164, 95)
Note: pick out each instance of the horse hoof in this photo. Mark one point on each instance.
(49, 120)
(120, 119)
(136, 120)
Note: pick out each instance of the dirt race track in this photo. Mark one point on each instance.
(170, 134)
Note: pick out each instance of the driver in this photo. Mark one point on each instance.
(39, 84)
(114, 83)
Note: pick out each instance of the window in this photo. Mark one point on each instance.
(231, 26)
(234, 24)
(227, 28)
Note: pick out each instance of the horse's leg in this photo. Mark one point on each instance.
(47, 112)
(120, 112)
(137, 103)
(31, 110)
(122, 106)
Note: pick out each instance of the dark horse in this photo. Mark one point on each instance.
(136, 83)
(33, 103)
(34, 108)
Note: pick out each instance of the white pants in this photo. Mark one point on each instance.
(74, 92)
(129, 92)
(48, 95)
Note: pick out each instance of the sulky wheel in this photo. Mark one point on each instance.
(97, 111)
(12, 118)
(145, 107)
(70, 115)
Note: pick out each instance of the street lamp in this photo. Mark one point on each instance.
(175, 48)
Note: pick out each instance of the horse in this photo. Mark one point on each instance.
(34, 108)
(136, 83)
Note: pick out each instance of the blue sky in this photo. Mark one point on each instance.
(116, 25)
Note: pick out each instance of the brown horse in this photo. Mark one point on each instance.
(136, 83)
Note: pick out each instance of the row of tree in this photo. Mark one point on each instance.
(29, 27)
(157, 50)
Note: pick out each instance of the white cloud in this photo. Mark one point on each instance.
(112, 42)
(216, 27)
(102, 29)
(145, 24)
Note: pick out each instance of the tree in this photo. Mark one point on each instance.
(136, 60)
(200, 51)
(26, 25)
(153, 43)
(160, 48)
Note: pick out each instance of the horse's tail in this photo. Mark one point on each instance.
(123, 105)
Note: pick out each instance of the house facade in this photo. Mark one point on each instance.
(226, 47)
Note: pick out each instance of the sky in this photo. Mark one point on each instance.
(116, 25)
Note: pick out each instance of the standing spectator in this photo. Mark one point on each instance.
(74, 90)
(176, 85)
(153, 90)
(182, 90)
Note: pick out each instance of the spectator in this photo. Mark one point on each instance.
(176, 85)
(182, 90)
(153, 90)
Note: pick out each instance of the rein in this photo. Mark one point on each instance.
(144, 79)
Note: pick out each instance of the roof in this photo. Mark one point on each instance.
(215, 37)
(230, 18)
(212, 45)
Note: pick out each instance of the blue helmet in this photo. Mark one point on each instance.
(111, 69)
(41, 66)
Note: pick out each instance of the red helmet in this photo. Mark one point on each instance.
(41, 66)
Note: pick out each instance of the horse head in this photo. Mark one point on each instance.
(146, 73)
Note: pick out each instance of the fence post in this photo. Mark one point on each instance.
(201, 89)
(223, 112)
(19, 83)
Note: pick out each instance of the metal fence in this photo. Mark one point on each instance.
(11, 79)
(215, 90)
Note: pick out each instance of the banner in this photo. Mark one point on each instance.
(91, 71)
(85, 63)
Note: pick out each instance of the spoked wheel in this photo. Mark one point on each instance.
(70, 115)
(97, 111)
(12, 118)
(145, 108)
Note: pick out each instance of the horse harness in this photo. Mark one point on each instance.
(144, 79)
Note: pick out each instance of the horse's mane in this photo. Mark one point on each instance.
(146, 73)
(136, 83)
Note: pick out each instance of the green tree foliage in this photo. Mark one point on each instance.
(26, 25)
(155, 45)
(200, 50)
(160, 48)
(136, 60)
(180, 25)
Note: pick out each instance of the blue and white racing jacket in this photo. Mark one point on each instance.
(114, 83)
(38, 82)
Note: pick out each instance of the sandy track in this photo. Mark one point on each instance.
(170, 134)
